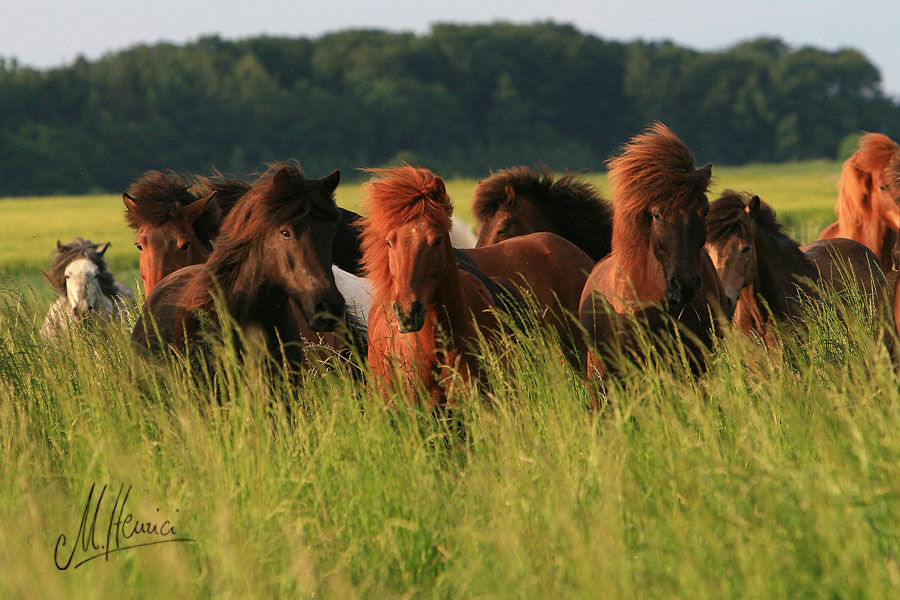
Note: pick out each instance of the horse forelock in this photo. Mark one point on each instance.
(76, 249)
(655, 170)
(160, 198)
(393, 198)
(728, 216)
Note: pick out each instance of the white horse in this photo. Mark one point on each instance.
(461, 234)
(85, 286)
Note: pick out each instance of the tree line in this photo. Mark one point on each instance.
(462, 99)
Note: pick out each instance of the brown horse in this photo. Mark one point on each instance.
(426, 309)
(175, 228)
(548, 269)
(177, 224)
(517, 202)
(658, 275)
(765, 273)
(274, 250)
(867, 198)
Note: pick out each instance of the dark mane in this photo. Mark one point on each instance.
(655, 169)
(395, 197)
(727, 217)
(228, 189)
(79, 248)
(280, 195)
(572, 204)
(160, 197)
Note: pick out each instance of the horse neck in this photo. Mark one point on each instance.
(639, 280)
(449, 300)
(779, 266)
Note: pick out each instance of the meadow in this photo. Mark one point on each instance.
(776, 475)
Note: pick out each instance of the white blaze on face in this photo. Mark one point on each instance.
(82, 287)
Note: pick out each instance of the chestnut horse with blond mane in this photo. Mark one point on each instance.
(867, 198)
(426, 310)
(658, 275)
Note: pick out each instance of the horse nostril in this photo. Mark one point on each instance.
(416, 308)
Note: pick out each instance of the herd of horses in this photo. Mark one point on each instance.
(287, 266)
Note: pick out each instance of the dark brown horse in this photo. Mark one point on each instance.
(177, 224)
(426, 309)
(175, 228)
(867, 199)
(658, 275)
(274, 250)
(766, 274)
(517, 201)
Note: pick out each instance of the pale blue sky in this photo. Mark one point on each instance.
(46, 33)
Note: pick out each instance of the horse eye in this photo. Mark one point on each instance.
(286, 234)
(656, 216)
(388, 242)
(138, 246)
(185, 246)
(745, 249)
(437, 241)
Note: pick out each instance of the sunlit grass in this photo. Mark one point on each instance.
(777, 474)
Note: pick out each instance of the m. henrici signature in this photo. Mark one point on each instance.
(123, 527)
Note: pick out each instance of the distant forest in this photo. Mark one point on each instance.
(462, 100)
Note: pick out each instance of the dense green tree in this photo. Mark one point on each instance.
(463, 99)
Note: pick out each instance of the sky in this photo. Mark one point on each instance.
(45, 33)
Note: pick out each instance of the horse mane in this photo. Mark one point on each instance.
(80, 248)
(228, 189)
(160, 197)
(655, 169)
(395, 197)
(726, 218)
(280, 195)
(573, 205)
(876, 153)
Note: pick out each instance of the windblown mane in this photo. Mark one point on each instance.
(228, 189)
(280, 195)
(655, 169)
(573, 205)
(395, 197)
(726, 218)
(80, 248)
(160, 197)
(877, 153)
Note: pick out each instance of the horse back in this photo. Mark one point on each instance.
(840, 259)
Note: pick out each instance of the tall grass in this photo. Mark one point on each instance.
(776, 474)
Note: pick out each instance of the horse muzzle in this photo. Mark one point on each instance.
(412, 320)
(681, 292)
(327, 315)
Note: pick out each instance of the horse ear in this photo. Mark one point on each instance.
(193, 210)
(752, 207)
(130, 204)
(281, 175)
(705, 173)
(510, 195)
(101, 248)
(331, 181)
(59, 246)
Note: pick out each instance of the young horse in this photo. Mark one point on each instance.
(86, 287)
(516, 202)
(764, 272)
(426, 308)
(174, 228)
(273, 251)
(658, 273)
(867, 198)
